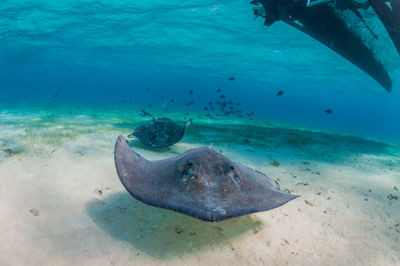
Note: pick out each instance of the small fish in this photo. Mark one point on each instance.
(172, 100)
(149, 105)
(222, 96)
(231, 78)
(279, 93)
(55, 95)
(210, 103)
(237, 104)
(328, 111)
(191, 102)
(219, 90)
(191, 91)
(205, 108)
(147, 89)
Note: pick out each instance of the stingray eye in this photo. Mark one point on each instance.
(234, 171)
(186, 170)
(231, 171)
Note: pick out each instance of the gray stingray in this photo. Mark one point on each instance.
(160, 132)
(200, 183)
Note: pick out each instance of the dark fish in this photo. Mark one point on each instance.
(231, 78)
(219, 90)
(279, 93)
(222, 96)
(172, 100)
(191, 91)
(328, 111)
(200, 183)
(205, 108)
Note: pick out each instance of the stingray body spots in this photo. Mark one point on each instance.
(200, 183)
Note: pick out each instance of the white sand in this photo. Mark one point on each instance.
(61, 164)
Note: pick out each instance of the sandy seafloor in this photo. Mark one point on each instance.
(61, 202)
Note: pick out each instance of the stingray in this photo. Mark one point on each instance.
(160, 132)
(201, 183)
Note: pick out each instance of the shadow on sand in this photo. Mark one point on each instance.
(161, 233)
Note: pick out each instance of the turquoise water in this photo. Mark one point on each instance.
(74, 76)
(96, 54)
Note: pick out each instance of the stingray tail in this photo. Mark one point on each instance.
(146, 113)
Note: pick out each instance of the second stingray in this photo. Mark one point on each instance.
(160, 132)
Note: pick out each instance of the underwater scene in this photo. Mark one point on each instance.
(200, 132)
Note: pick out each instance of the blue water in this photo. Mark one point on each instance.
(100, 53)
